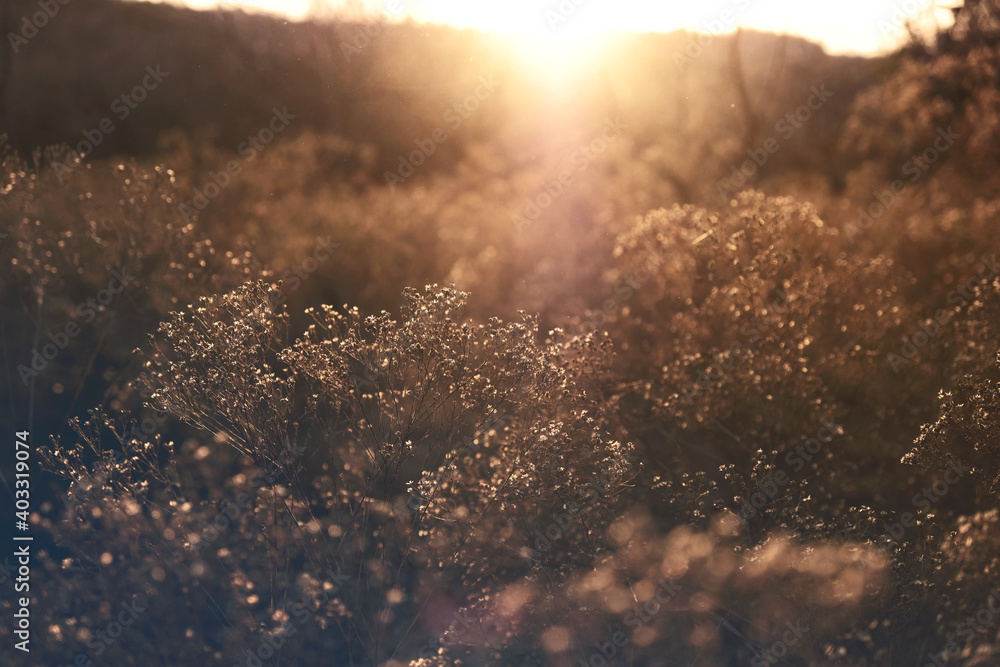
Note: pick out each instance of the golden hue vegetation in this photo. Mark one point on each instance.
(691, 360)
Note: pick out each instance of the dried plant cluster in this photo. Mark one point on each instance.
(391, 449)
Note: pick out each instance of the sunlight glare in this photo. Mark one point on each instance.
(557, 43)
(557, 31)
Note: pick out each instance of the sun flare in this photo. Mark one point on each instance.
(563, 59)
(556, 43)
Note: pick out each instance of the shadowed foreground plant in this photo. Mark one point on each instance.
(407, 466)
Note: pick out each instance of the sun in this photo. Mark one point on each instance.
(557, 60)
(556, 45)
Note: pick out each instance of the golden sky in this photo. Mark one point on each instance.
(841, 26)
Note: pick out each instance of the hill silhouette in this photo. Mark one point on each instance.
(226, 70)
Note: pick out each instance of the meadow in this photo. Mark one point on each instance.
(370, 343)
